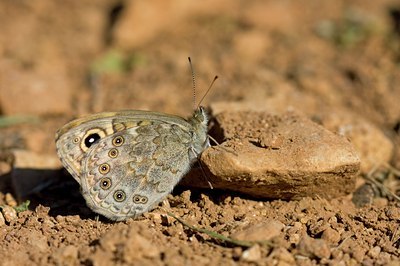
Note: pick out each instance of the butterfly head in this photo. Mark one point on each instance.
(199, 122)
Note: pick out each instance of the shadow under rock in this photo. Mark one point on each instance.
(198, 182)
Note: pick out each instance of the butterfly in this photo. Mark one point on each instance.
(127, 162)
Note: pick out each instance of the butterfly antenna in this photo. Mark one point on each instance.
(208, 90)
(193, 81)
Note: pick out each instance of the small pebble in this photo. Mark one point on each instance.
(166, 220)
(10, 200)
(252, 254)
(337, 254)
(9, 213)
(393, 213)
(374, 252)
(153, 216)
(330, 235)
(358, 253)
(60, 219)
(260, 232)
(294, 239)
(304, 220)
(237, 252)
(283, 256)
(2, 220)
(312, 248)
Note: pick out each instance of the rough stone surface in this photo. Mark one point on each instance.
(370, 142)
(286, 156)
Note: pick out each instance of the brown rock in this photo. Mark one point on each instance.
(9, 213)
(10, 200)
(358, 253)
(371, 144)
(260, 232)
(252, 254)
(2, 220)
(393, 213)
(331, 235)
(312, 248)
(282, 255)
(351, 246)
(374, 252)
(237, 252)
(369, 141)
(286, 156)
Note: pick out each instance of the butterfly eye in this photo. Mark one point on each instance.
(118, 141)
(105, 183)
(113, 153)
(91, 139)
(104, 168)
(119, 195)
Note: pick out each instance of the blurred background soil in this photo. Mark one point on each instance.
(336, 62)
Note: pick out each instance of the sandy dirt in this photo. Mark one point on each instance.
(334, 63)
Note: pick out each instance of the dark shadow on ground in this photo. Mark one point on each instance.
(48, 187)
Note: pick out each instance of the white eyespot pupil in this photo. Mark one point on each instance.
(105, 183)
(118, 141)
(91, 139)
(119, 195)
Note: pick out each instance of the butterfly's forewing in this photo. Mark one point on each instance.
(73, 140)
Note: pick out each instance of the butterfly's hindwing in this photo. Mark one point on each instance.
(149, 163)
